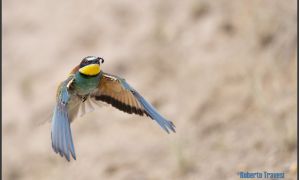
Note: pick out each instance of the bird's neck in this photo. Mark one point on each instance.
(86, 84)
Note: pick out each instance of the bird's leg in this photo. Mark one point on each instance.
(83, 98)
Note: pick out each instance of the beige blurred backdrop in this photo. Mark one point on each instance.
(223, 71)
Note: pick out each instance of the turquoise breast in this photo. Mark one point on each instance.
(86, 84)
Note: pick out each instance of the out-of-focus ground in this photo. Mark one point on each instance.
(223, 71)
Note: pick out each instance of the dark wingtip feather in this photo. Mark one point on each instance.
(68, 159)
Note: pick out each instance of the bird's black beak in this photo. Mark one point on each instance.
(101, 60)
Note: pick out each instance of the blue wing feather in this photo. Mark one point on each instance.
(62, 142)
(151, 111)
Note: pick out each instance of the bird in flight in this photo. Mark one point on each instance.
(79, 94)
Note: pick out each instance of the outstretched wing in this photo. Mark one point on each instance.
(117, 92)
(61, 134)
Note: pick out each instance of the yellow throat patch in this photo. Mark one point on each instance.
(90, 70)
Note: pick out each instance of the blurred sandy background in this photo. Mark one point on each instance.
(223, 71)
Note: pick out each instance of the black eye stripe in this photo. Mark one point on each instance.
(85, 63)
(91, 60)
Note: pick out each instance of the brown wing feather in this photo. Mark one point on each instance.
(74, 70)
(111, 91)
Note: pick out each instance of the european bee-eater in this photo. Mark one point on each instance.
(78, 94)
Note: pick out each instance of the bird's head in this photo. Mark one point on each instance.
(90, 65)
